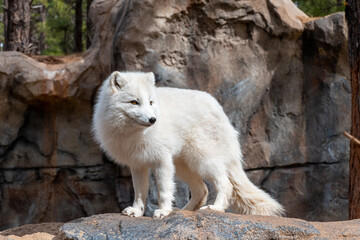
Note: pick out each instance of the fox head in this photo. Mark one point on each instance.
(132, 94)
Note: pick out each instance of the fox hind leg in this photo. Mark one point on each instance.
(223, 189)
(198, 189)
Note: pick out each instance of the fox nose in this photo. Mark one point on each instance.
(152, 120)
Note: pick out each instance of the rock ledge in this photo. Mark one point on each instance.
(205, 225)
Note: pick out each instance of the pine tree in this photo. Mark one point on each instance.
(59, 27)
(317, 8)
(78, 27)
(37, 26)
(17, 25)
(88, 23)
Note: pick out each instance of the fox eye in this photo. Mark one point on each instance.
(134, 102)
(151, 102)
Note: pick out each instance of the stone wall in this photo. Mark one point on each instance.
(281, 77)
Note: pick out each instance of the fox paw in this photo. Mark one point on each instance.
(213, 207)
(160, 213)
(132, 212)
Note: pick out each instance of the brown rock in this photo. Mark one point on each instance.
(281, 78)
(311, 189)
(42, 231)
(50, 167)
(52, 194)
(278, 80)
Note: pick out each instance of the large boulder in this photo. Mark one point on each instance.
(281, 77)
(185, 225)
(204, 225)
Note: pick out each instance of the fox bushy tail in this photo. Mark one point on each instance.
(249, 199)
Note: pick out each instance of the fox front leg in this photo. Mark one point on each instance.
(140, 178)
(164, 175)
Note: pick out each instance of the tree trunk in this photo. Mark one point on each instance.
(37, 35)
(88, 24)
(352, 17)
(64, 45)
(42, 37)
(17, 25)
(78, 26)
(6, 24)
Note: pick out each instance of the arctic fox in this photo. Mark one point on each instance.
(174, 131)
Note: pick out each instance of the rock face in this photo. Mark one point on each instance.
(50, 168)
(281, 77)
(205, 225)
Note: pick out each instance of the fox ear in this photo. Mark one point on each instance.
(151, 77)
(116, 81)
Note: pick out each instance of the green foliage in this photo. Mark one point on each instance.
(37, 24)
(59, 27)
(52, 26)
(318, 8)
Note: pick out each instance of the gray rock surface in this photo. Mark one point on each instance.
(204, 225)
(185, 225)
(281, 77)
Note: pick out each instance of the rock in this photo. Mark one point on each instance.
(185, 225)
(311, 189)
(52, 194)
(42, 231)
(204, 225)
(50, 167)
(11, 117)
(281, 77)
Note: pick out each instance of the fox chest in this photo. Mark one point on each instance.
(136, 153)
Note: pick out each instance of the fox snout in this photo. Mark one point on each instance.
(152, 120)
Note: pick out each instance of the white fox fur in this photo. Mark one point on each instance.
(170, 131)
